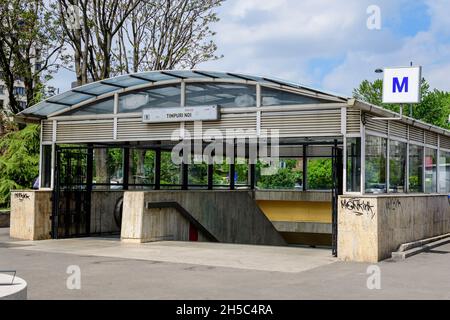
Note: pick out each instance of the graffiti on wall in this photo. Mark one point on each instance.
(393, 204)
(358, 206)
(22, 196)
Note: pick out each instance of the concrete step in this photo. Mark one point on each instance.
(412, 248)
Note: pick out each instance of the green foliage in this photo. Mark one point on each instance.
(221, 172)
(284, 178)
(19, 161)
(434, 107)
(26, 25)
(319, 175)
(414, 183)
(170, 172)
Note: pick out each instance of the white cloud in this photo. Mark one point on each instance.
(286, 38)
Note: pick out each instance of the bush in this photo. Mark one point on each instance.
(19, 161)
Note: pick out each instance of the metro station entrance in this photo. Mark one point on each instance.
(90, 181)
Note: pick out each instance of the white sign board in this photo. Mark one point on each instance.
(198, 113)
(402, 85)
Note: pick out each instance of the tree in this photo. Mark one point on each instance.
(434, 107)
(111, 37)
(19, 161)
(283, 178)
(30, 43)
(163, 35)
(320, 174)
(91, 33)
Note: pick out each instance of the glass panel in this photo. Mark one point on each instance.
(97, 88)
(221, 177)
(354, 165)
(222, 94)
(274, 97)
(46, 166)
(156, 76)
(444, 172)
(241, 177)
(397, 166)
(170, 172)
(188, 74)
(142, 167)
(415, 168)
(44, 108)
(126, 81)
(115, 167)
(198, 175)
(158, 97)
(319, 174)
(102, 107)
(287, 174)
(375, 164)
(108, 168)
(430, 170)
(219, 75)
(70, 97)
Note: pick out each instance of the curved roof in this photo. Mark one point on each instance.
(107, 87)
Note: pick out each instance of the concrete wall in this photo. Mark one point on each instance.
(231, 216)
(370, 228)
(30, 215)
(289, 195)
(31, 211)
(102, 211)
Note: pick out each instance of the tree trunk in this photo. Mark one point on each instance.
(101, 166)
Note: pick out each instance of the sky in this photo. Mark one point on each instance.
(326, 44)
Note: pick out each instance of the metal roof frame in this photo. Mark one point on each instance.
(213, 75)
(176, 76)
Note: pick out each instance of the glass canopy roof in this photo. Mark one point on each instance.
(92, 90)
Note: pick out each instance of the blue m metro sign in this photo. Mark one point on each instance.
(396, 86)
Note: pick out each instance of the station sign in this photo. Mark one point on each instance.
(197, 113)
(402, 85)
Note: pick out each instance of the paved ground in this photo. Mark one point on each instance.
(176, 270)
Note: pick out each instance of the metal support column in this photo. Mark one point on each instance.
(126, 167)
(158, 168)
(305, 160)
(210, 176)
(232, 174)
(337, 169)
(252, 176)
(89, 181)
(55, 195)
(184, 176)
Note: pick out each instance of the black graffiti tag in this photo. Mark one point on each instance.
(358, 206)
(393, 204)
(22, 196)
